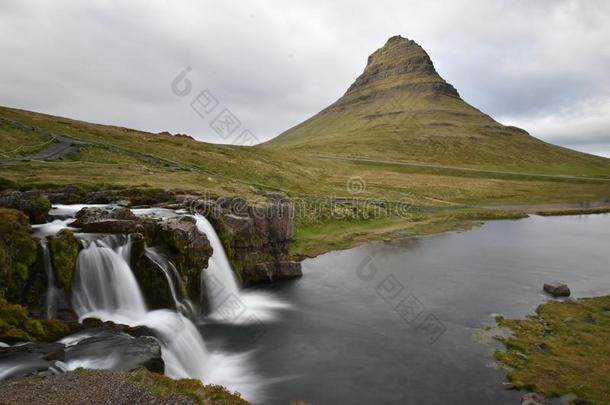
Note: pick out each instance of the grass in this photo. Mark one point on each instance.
(164, 387)
(413, 115)
(118, 157)
(561, 349)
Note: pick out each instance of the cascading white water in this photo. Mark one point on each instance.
(171, 275)
(42, 231)
(227, 302)
(105, 287)
(52, 292)
(219, 278)
(104, 283)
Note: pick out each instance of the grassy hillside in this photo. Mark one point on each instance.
(442, 197)
(401, 109)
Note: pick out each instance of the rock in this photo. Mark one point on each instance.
(89, 215)
(256, 238)
(182, 234)
(187, 247)
(541, 347)
(117, 351)
(29, 359)
(64, 248)
(65, 195)
(557, 289)
(533, 399)
(280, 270)
(32, 203)
(116, 220)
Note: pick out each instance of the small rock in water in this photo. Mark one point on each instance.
(533, 399)
(557, 289)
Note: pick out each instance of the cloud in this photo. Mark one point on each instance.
(538, 65)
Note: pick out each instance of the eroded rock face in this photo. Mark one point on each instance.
(34, 204)
(256, 238)
(557, 289)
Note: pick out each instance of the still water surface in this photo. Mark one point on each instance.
(393, 323)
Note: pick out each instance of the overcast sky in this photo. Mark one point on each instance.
(540, 65)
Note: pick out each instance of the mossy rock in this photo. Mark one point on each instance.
(64, 248)
(17, 326)
(18, 253)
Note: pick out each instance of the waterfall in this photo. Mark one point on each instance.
(227, 302)
(219, 278)
(52, 292)
(105, 287)
(171, 275)
(104, 283)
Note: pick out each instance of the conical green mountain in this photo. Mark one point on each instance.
(400, 108)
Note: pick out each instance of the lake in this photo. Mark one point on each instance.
(395, 322)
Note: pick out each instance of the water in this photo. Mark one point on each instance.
(52, 293)
(219, 278)
(344, 342)
(105, 288)
(228, 303)
(156, 257)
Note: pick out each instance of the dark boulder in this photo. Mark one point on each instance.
(29, 359)
(557, 289)
(118, 351)
(533, 399)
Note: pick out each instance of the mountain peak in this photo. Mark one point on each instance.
(401, 63)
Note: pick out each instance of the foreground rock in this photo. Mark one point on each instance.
(101, 345)
(557, 289)
(117, 351)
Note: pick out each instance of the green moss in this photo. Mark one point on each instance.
(17, 326)
(64, 248)
(562, 349)
(18, 252)
(162, 386)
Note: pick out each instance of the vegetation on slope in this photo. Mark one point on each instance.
(401, 109)
(562, 349)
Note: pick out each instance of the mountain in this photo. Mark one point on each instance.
(400, 108)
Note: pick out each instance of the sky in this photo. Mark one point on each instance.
(540, 65)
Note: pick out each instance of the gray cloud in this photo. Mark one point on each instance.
(538, 65)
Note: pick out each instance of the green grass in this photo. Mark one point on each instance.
(164, 387)
(122, 158)
(562, 349)
(391, 114)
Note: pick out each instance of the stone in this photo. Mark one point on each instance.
(115, 220)
(532, 398)
(557, 289)
(31, 358)
(34, 204)
(118, 351)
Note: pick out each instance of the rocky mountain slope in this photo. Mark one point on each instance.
(401, 108)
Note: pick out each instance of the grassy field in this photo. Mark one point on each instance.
(562, 349)
(445, 198)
